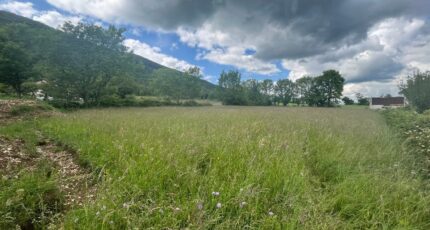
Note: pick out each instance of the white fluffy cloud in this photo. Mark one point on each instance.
(51, 18)
(155, 54)
(21, 8)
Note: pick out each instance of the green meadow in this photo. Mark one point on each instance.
(242, 168)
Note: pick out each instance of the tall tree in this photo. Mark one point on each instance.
(85, 71)
(361, 99)
(231, 89)
(417, 90)
(304, 86)
(327, 88)
(16, 66)
(285, 91)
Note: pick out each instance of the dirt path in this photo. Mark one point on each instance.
(76, 182)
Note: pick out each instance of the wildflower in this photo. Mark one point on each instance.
(218, 205)
(177, 209)
(200, 206)
(215, 193)
(242, 204)
(271, 213)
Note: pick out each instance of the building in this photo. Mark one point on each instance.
(386, 102)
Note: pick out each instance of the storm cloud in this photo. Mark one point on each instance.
(366, 40)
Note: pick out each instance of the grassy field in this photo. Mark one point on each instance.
(243, 167)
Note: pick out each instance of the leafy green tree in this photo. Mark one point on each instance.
(111, 38)
(231, 91)
(194, 71)
(85, 71)
(16, 65)
(327, 89)
(266, 86)
(417, 90)
(347, 101)
(361, 99)
(304, 87)
(285, 91)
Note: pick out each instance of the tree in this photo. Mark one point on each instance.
(266, 86)
(347, 101)
(285, 91)
(361, 99)
(326, 89)
(111, 38)
(16, 65)
(193, 71)
(304, 86)
(85, 71)
(417, 90)
(231, 92)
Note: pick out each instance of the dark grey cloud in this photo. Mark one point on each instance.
(300, 27)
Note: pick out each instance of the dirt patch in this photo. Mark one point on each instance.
(16, 109)
(76, 182)
(13, 158)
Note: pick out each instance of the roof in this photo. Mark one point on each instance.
(387, 101)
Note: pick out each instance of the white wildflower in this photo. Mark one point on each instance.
(243, 204)
(218, 205)
(215, 193)
(271, 213)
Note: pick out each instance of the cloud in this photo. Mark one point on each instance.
(55, 19)
(393, 48)
(155, 54)
(51, 18)
(21, 8)
(367, 40)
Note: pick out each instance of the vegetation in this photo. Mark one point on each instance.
(324, 90)
(415, 130)
(229, 167)
(31, 200)
(417, 90)
(83, 64)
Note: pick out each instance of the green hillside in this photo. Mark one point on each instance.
(57, 54)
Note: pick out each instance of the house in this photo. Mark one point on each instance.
(386, 102)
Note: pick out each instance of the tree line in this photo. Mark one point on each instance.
(323, 90)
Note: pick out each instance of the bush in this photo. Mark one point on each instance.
(414, 128)
(64, 104)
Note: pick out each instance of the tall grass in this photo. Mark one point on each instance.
(234, 167)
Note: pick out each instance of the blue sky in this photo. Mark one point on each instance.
(372, 45)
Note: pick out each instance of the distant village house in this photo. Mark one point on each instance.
(386, 102)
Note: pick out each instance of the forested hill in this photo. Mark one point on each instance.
(58, 55)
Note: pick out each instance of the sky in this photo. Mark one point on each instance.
(373, 43)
